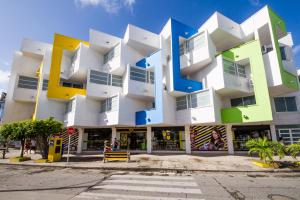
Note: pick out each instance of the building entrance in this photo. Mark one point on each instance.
(95, 137)
(133, 139)
(241, 134)
(168, 139)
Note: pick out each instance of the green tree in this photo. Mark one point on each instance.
(263, 147)
(42, 130)
(294, 150)
(17, 131)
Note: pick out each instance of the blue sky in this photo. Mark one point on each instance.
(40, 19)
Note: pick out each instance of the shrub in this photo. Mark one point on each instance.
(263, 147)
(294, 150)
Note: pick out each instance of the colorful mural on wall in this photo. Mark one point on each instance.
(208, 138)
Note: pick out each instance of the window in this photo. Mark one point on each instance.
(243, 101)
(28, 82)
(192, 44)
(111, 54)
(195, 100)
(67, 83)
(142, 75)
(282, 53)
(290, 136)
(69, 106)
(109, 104)
(285, 104)
(105, 78)
(181, 103)
(234, 68)
(116, 81)
(45, 84)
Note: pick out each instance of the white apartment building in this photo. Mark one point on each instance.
(167, 91)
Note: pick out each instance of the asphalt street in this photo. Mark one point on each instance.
(30, 183)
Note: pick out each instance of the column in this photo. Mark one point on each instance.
(273, 132)
(113, 134)
(187, 137)
(80, 140)
(149, 140)
(229, 136)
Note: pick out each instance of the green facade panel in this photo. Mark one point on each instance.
(288, 79)
(261, 111)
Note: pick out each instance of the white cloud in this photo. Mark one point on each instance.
(296, 49)
(4, 62)
(255, 2)
(110, 6)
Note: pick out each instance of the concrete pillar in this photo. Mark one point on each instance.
(187, 137)
(229, 136)
(113, 134)
(80, 140)
(149, 140)
(273, 132)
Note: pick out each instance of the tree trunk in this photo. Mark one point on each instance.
(42, 143)
(22, 148)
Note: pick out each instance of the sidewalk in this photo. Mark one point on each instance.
(145, 162)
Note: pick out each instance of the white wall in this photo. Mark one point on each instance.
(19, 110)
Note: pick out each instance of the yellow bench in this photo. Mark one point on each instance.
(116, 155)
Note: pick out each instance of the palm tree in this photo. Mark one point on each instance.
(263, 147)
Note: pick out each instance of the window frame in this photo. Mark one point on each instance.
(285, 104)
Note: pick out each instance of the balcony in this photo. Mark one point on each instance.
(196, 53)
(197, 108)
(220, 27)
(26, 89)
(102, 85)
(83, 59)
(143, 41)
(140, 82)
(232, 78)
(82, 111)
(34, 48)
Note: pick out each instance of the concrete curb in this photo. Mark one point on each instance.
(148, 169)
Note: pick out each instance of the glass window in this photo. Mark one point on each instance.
(285, 104)
(250, 100)
(236, 102)
(28, 82)
(241, 70)
(229, 67)
(116, 81)
(138, 74)
(181, 103)
(45, 84)
(195, 100)
(99, 77)
(234, 68)
(243, 101)
(280, 104)
(291, 104)
(150, 77)
(111, 54)
(109, 104)
(69, 106)
(282, 53)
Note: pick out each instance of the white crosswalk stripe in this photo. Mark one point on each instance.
(89, 195)
(140, 187)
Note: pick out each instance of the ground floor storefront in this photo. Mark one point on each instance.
(182, 139)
